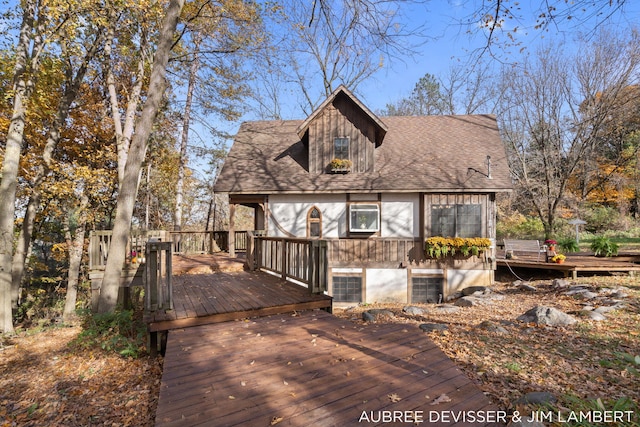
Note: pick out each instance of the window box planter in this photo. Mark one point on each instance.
(340, 165)
(441, 247)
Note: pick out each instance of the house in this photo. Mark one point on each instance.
(375, 189)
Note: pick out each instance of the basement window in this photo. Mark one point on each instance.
(426, 289)
(364, 218)
(347, 288)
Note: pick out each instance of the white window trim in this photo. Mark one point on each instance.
(354, 226)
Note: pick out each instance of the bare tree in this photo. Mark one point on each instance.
(555, 111)
(316, 46)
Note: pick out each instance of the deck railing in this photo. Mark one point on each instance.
(302, 260)
(184, 242)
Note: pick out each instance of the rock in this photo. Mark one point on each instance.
(536, 398)
(377, 314)
(368, 317)
(453, 296)
(547, 316)
(446, 308)
(593, 315)
(607, 308)
(492, 327)
(560, 283)
(469, 301)
(431, 327)
(584, 294)
(619, 295)
(526, 287)
(413, 310)
(471, 290)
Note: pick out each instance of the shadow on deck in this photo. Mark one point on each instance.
(248, 348)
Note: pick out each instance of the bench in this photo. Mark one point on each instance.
(512, 246)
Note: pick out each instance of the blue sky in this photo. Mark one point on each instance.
(453, 44)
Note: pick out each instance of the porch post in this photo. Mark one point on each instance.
(232, 229)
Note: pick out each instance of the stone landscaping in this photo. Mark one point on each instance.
(543, 342)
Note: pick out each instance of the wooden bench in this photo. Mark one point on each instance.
(512, 246)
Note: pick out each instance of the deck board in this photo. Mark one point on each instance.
(309, 368)
(224, 296)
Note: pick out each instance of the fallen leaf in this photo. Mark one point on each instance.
(394, 397)
(276, 420)
(441, 399)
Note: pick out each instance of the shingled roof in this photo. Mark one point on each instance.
(419, 154)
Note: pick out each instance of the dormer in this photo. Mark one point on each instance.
(342, 128)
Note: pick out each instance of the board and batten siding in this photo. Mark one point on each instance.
(486, 200)
(339, 120)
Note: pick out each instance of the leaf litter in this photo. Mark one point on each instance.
(588, 360)
(45, 382)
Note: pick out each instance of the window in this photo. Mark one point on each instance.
(347, 288)
(341, 148)
(364, 218)
(314, 223)
(426, 289)
(456, 220)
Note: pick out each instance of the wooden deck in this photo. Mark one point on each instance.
(575, 264)
(310, 369)
(222, 296)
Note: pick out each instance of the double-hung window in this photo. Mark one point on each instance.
(456, 220)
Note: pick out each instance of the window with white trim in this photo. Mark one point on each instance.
(314, 222)
(364, 218)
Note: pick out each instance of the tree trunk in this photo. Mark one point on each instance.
(128, 190)
(193, 73)
(22, 89)
(72, 87)
(75, 244)
(123, 131)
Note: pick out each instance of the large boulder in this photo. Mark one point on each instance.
(547, 316)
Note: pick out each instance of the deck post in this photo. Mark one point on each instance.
(317, 266)
(232, 230)
(285, 258)
(251, 242)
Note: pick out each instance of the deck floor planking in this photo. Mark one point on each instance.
(225, 296)
(308, 369)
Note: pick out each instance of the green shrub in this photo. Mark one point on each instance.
(568, 245)
(116, 332)
(603, 246)
(519, 226)
(600, 218)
